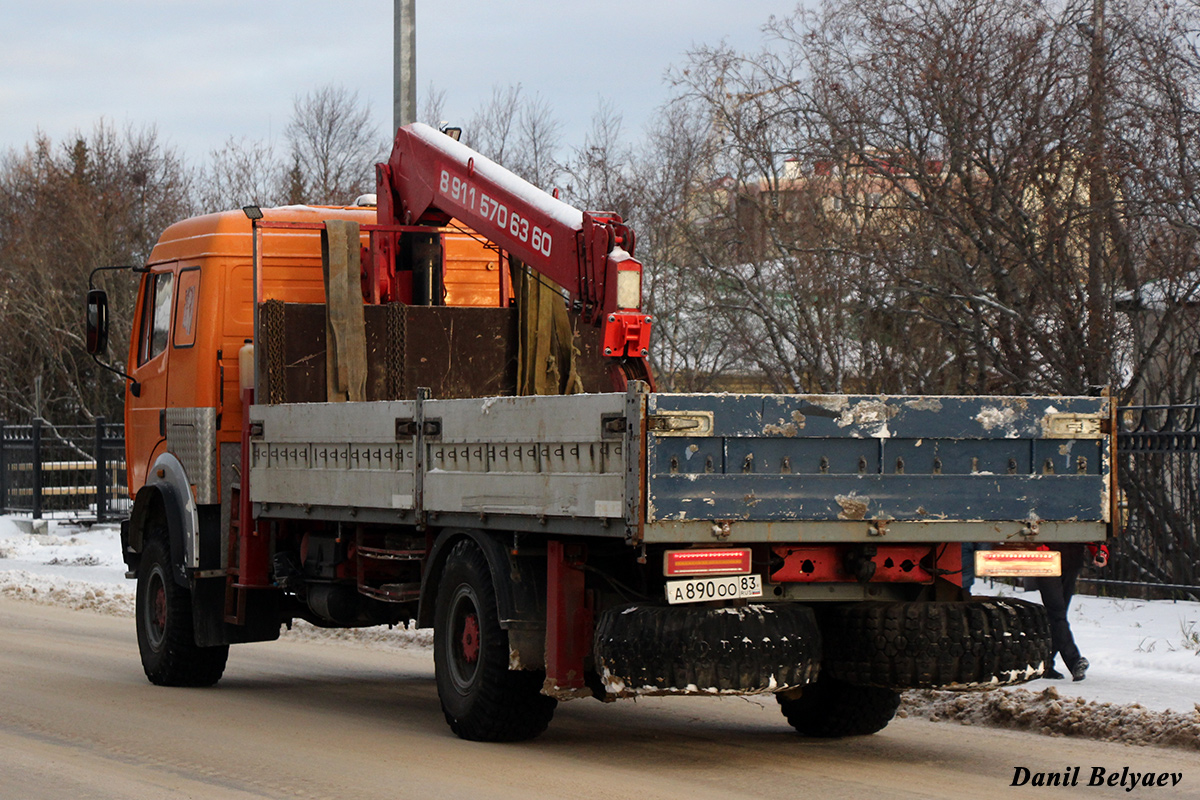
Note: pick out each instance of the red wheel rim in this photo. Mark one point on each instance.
(470, 639)
(159, 607)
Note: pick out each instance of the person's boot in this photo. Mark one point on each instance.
(1079, 669)
(1052, 674)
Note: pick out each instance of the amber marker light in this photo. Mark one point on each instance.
(1018, 563)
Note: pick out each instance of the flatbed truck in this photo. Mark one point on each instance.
(436, 405)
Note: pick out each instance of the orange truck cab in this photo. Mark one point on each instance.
(195, 311)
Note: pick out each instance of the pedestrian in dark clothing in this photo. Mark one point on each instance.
(1057, 592)
(968, 565)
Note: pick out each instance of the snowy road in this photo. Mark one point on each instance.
(314, 719)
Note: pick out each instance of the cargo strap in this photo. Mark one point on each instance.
(345, 330)
(546, 360)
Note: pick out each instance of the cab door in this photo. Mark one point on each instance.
(148, 356)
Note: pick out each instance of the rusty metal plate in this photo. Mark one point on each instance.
(455, 352)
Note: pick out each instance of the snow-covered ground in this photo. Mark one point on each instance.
(1141, 651)
(80, 567)
(67, 565)
(1143, 685)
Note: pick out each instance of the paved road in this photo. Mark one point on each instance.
(325, 720)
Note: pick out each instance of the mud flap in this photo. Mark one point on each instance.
(263, 618)
(263, 615)
(208, 612)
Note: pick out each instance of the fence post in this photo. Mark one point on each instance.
(101, 473)
(3, 467)
(37, 467)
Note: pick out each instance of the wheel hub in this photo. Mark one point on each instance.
(152, 609)
(470, 639)
(159, 607)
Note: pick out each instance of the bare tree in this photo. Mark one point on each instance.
(492, 127)
(518, 132)
(668, 188)
(334, 144)
(539, 137)
(433, 109)
(94, 201)
(599, 172)
(242, 172)
(1154, 153)
(993, 181)
(791, 283)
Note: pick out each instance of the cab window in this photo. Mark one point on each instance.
(156, 315)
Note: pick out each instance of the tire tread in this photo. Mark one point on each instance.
(927, 645)
(832, 709)
(673, 649)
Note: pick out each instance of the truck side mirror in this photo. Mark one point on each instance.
(97, 322)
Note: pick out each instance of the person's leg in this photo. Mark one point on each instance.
(1072, 565)
(968, 565)
(1055, 599)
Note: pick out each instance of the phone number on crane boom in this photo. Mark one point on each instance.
(496, 213)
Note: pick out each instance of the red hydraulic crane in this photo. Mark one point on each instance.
(430, 178)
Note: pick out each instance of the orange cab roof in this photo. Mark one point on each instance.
(227, 233)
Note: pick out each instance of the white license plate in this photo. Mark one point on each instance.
(701, 590)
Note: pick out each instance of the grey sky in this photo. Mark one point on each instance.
(205, 71)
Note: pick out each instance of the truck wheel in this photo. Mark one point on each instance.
(648, 649)
(165, 636)
(987, 641)
(831, 708)
(482, 699)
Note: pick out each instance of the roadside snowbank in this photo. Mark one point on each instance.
(79, 568)
(20, 584)
(1049, 712)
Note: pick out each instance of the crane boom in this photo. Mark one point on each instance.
(430, 178)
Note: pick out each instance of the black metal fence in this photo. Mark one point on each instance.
(1158, 462)
(65, 471)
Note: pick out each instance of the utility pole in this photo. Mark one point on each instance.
(1099, 314)
(404, 70)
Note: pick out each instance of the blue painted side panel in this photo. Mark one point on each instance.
(839, 457)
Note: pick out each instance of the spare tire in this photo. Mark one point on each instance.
(650, 649)
(985, 641)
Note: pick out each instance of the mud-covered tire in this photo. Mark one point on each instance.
(830, 708)
(482, 699)
(986, 641)
(166, 638)
(647, 649)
